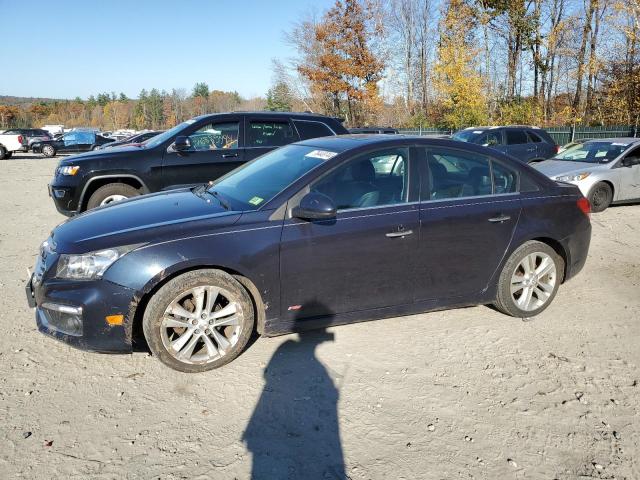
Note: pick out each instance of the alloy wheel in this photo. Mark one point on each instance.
(201, 325)
(112, 199)
(533, 281)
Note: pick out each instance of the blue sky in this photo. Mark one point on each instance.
(77, 48)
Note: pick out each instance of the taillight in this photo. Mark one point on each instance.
(585, 206)
(557, 148)
(20, 139)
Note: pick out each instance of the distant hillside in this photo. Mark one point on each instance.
(10, 100)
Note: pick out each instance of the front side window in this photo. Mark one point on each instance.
(312, 129)
(270, 134)
(371, 180)
(516, 137)
(215, 136)
(457, 174)
(70, 139)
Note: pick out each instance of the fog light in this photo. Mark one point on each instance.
(63, 318)
(59, 193)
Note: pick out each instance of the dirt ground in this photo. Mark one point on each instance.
(467, 393)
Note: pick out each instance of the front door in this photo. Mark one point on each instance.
(263, 135)
(468, 214)
(361, 259)
(629, 179)
(215, 151)
(68, 143)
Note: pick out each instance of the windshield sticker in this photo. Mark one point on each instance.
(190, 121)
(620, 144)
(322, 154)
(601, 154)
(477, 131)
(256, 201)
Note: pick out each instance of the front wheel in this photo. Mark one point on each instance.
(111, 193)
(3, 153)
(529, 280)
(600, 197)
(198, 321)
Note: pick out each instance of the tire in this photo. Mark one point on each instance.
(8, 155)
(600, 197)
(48, 151)
(161, 336)
(514, 276)
(3, 153)
(109, 193)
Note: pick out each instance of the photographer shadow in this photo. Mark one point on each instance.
(293, 432)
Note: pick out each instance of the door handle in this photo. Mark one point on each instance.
(500, 219)
(531, 149)
(229, 155)
(399, 233)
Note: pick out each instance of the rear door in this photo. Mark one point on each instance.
(215, 150)
(264, 134)
(85, 141)
(518, 145)
(468, 213)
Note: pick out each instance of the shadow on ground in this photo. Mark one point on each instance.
(293, 432)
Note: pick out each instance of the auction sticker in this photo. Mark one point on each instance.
(256, 201)
(322, 154)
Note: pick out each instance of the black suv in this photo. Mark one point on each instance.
(194, 152)
(522, 142)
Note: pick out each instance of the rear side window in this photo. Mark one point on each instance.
(533, 137)
(270, 134)
(457, 174)
(516, 137)
(312, 129)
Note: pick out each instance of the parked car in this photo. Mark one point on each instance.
(524, 143)
(131, 140)
(374, 130)
(32, 135)
(71, 142)
(310, 235)
(606, 170)
(11, 142)
(196, 151)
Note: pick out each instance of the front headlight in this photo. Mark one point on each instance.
(68, 170)
(576, 177)
(89, 266)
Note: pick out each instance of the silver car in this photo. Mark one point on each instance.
(606, 170)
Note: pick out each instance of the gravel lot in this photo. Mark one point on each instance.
(466, 393)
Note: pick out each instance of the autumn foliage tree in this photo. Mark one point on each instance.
(456, 79)
(346, 69)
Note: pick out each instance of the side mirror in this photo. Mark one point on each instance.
(315, 206)
(181, 143)
(630, 161)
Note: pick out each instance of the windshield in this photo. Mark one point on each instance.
(255, 183)
(592, 152)
(158, 139)
(465, 135)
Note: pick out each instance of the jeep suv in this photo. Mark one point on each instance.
(524, 143)
(194, 152)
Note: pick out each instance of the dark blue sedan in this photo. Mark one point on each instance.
(322, 232)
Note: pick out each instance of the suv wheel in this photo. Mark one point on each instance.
(529, 280)
(600, 197)
(111, 193)
(49, 151)
(198, 321)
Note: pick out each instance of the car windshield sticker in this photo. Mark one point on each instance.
(620, 144)
(477, 131)
(601, 154)
(322, 154)
(256, 201)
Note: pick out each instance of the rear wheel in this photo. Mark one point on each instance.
(49, 151)
(529, 280)
(8, 155)
(199, 321)
(111, 193)
(600, 197)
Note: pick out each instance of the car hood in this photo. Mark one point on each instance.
(147, 219)
(101, 155)
(553, 168)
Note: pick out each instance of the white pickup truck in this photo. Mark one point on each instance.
(10, 143)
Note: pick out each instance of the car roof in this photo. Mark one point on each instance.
(268, 114)
(626, 140)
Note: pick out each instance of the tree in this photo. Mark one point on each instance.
(200, 90)
(7, 114)
(347, 69)
(279, 98)
(455, 77)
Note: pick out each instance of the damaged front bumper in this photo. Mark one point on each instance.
(75, 312)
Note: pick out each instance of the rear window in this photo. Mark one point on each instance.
(270, 134)
(312, 129)
(534, 137)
